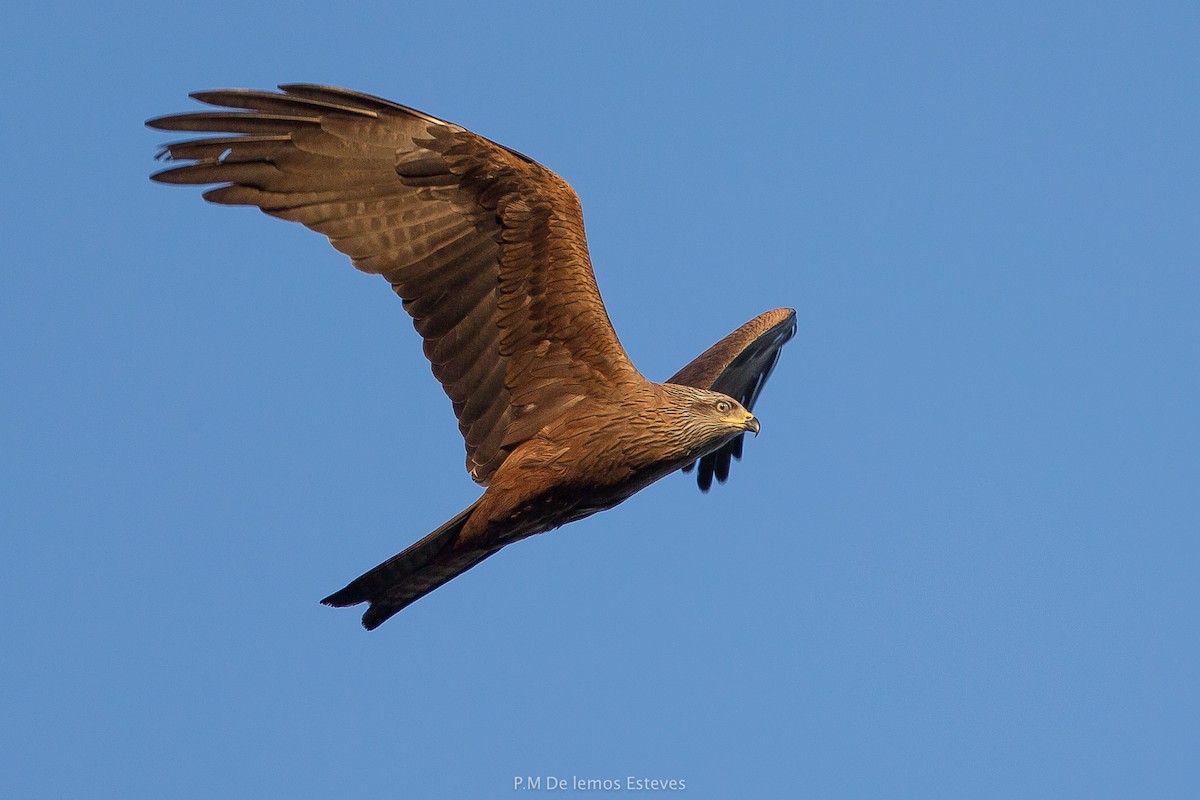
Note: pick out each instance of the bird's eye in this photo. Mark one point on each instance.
(724, 406)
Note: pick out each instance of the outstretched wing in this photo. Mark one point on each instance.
(738, 366)
(485, 246)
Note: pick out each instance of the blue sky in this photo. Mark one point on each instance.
(959, 561)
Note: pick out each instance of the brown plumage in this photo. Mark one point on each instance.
(486, 248)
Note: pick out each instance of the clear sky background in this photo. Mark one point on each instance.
(960, 560)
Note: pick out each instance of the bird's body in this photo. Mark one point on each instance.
(486, 248)
(550, 480)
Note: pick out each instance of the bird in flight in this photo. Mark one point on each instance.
(486, 248)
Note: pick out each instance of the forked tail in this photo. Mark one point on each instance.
(410, 575)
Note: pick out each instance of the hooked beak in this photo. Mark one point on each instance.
(748, 422)
(751, 424)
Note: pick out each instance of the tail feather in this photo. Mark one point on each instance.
(408, 576)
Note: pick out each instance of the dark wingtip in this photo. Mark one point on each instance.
(376, 615)
(349, 596)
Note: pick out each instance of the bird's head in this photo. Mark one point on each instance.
(708, 419)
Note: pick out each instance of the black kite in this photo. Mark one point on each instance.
(486, 248)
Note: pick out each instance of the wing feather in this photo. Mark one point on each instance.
(485, 246)
(738, 366)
